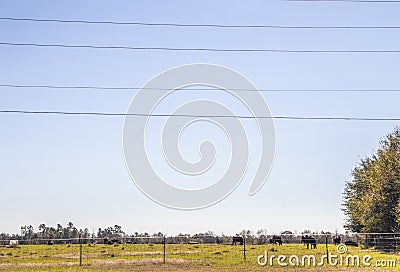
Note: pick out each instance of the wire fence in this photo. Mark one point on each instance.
(181, 250)
(123, 250)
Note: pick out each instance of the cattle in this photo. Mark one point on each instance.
(276, 240)
(237, 240)
(336, 240)
(107, 241)
(50, 242)
(309, 241)
(13, 243)
(351, 243)
(116, 241)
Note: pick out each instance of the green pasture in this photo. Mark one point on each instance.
(183, 257)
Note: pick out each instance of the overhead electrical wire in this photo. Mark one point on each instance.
(354, 1)
(65, 21)
(321, 118)
(197, 49)
(193, 49)
(87, 87)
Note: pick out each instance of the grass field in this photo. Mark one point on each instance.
(179, 257)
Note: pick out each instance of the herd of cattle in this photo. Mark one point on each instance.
(308, 240)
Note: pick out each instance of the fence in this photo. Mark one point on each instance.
(123, 251)
(385, 242)
(178, 250)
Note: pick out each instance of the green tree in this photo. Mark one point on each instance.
(29, 231)
(59, 231)
(371, 198)
(42, 228)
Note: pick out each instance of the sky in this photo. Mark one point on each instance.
(56, 169)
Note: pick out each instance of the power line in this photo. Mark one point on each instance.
(194, 49)
(191, 25)
(80, 87)
(354, 1)
(200, 116)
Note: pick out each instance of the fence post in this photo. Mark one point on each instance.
(164, 248)
(326, 246)
(244, 247)
(80, 250)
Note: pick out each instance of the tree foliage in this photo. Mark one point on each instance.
(372, 197)
(46, 232)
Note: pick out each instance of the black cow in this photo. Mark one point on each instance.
(237, 240)
(336, 240)
(351, 243)
(309, 240)
(107, 241)
(116, 241)
(276, 240)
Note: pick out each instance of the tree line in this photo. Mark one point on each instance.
(64, 232)
(44, 232)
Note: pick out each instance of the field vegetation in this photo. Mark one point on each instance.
(179, 257)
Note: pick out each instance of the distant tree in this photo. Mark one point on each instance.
(29, 231)
(59, 231)
(42, 229)
(23, 232)
(118, 230)
(261, 232)
(86, 233)
(4, 236)
(70, 231)
(371, 198)
(246, 232)
(51, 233)
(210, 233)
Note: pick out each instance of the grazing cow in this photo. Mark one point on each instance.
(309, 240)
(237, 240)
(351, 243)
(276, 240)
(50, 242)
(13, 243)
(116, 241)
(336, 240)
(107, 241)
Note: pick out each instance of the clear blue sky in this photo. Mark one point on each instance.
(56, 169)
